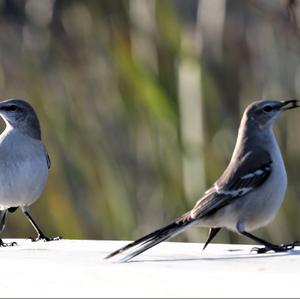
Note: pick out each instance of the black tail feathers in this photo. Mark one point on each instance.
(152, 239)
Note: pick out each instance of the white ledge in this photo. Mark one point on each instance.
(75, 268)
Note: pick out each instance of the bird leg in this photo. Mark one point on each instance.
(40, 234)
(213, 231)
(269, 246)
(3, 214)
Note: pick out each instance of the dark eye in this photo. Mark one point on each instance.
(11, 108)
(268, 108)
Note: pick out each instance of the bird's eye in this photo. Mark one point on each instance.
(11, 108)
(268, 108)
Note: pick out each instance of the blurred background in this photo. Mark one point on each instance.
(140, 101)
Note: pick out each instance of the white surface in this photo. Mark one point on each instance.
(73, 268)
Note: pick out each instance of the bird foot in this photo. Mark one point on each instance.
(44, 238)
(3, 244)
(279, 248)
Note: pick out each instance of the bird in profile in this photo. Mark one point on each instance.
(24, 163)
(248, 194)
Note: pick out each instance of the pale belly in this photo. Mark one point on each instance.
(22, 183)
(257, 209)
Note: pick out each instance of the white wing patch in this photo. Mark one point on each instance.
(252, 175)
(233, 193)
(242, 190)
(258, 172)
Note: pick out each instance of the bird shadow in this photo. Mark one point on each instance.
(245, 256)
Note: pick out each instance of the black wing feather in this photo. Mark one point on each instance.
(250, 173)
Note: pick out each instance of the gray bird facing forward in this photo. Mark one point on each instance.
(24, 162)
(247, 195)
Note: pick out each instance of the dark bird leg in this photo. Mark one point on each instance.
(40, 234)
(3, 214)
(213, 231)
(269, 246)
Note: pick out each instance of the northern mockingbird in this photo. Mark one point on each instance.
(246, 196)
(24, 162)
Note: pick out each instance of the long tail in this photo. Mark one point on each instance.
(152, 239)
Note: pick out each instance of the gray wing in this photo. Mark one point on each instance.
(238, 179)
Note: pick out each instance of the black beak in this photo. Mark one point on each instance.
(290, 104)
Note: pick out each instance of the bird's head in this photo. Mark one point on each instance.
(262, 114)
(20, 115)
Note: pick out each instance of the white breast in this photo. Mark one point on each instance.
(277, 184)
(23, 169)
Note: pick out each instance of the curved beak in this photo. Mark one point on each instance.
(289, 104)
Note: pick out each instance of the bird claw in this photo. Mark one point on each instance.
(44, 238)
(290, 246)
(2, 244)
(280, 248)
(260, 249)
